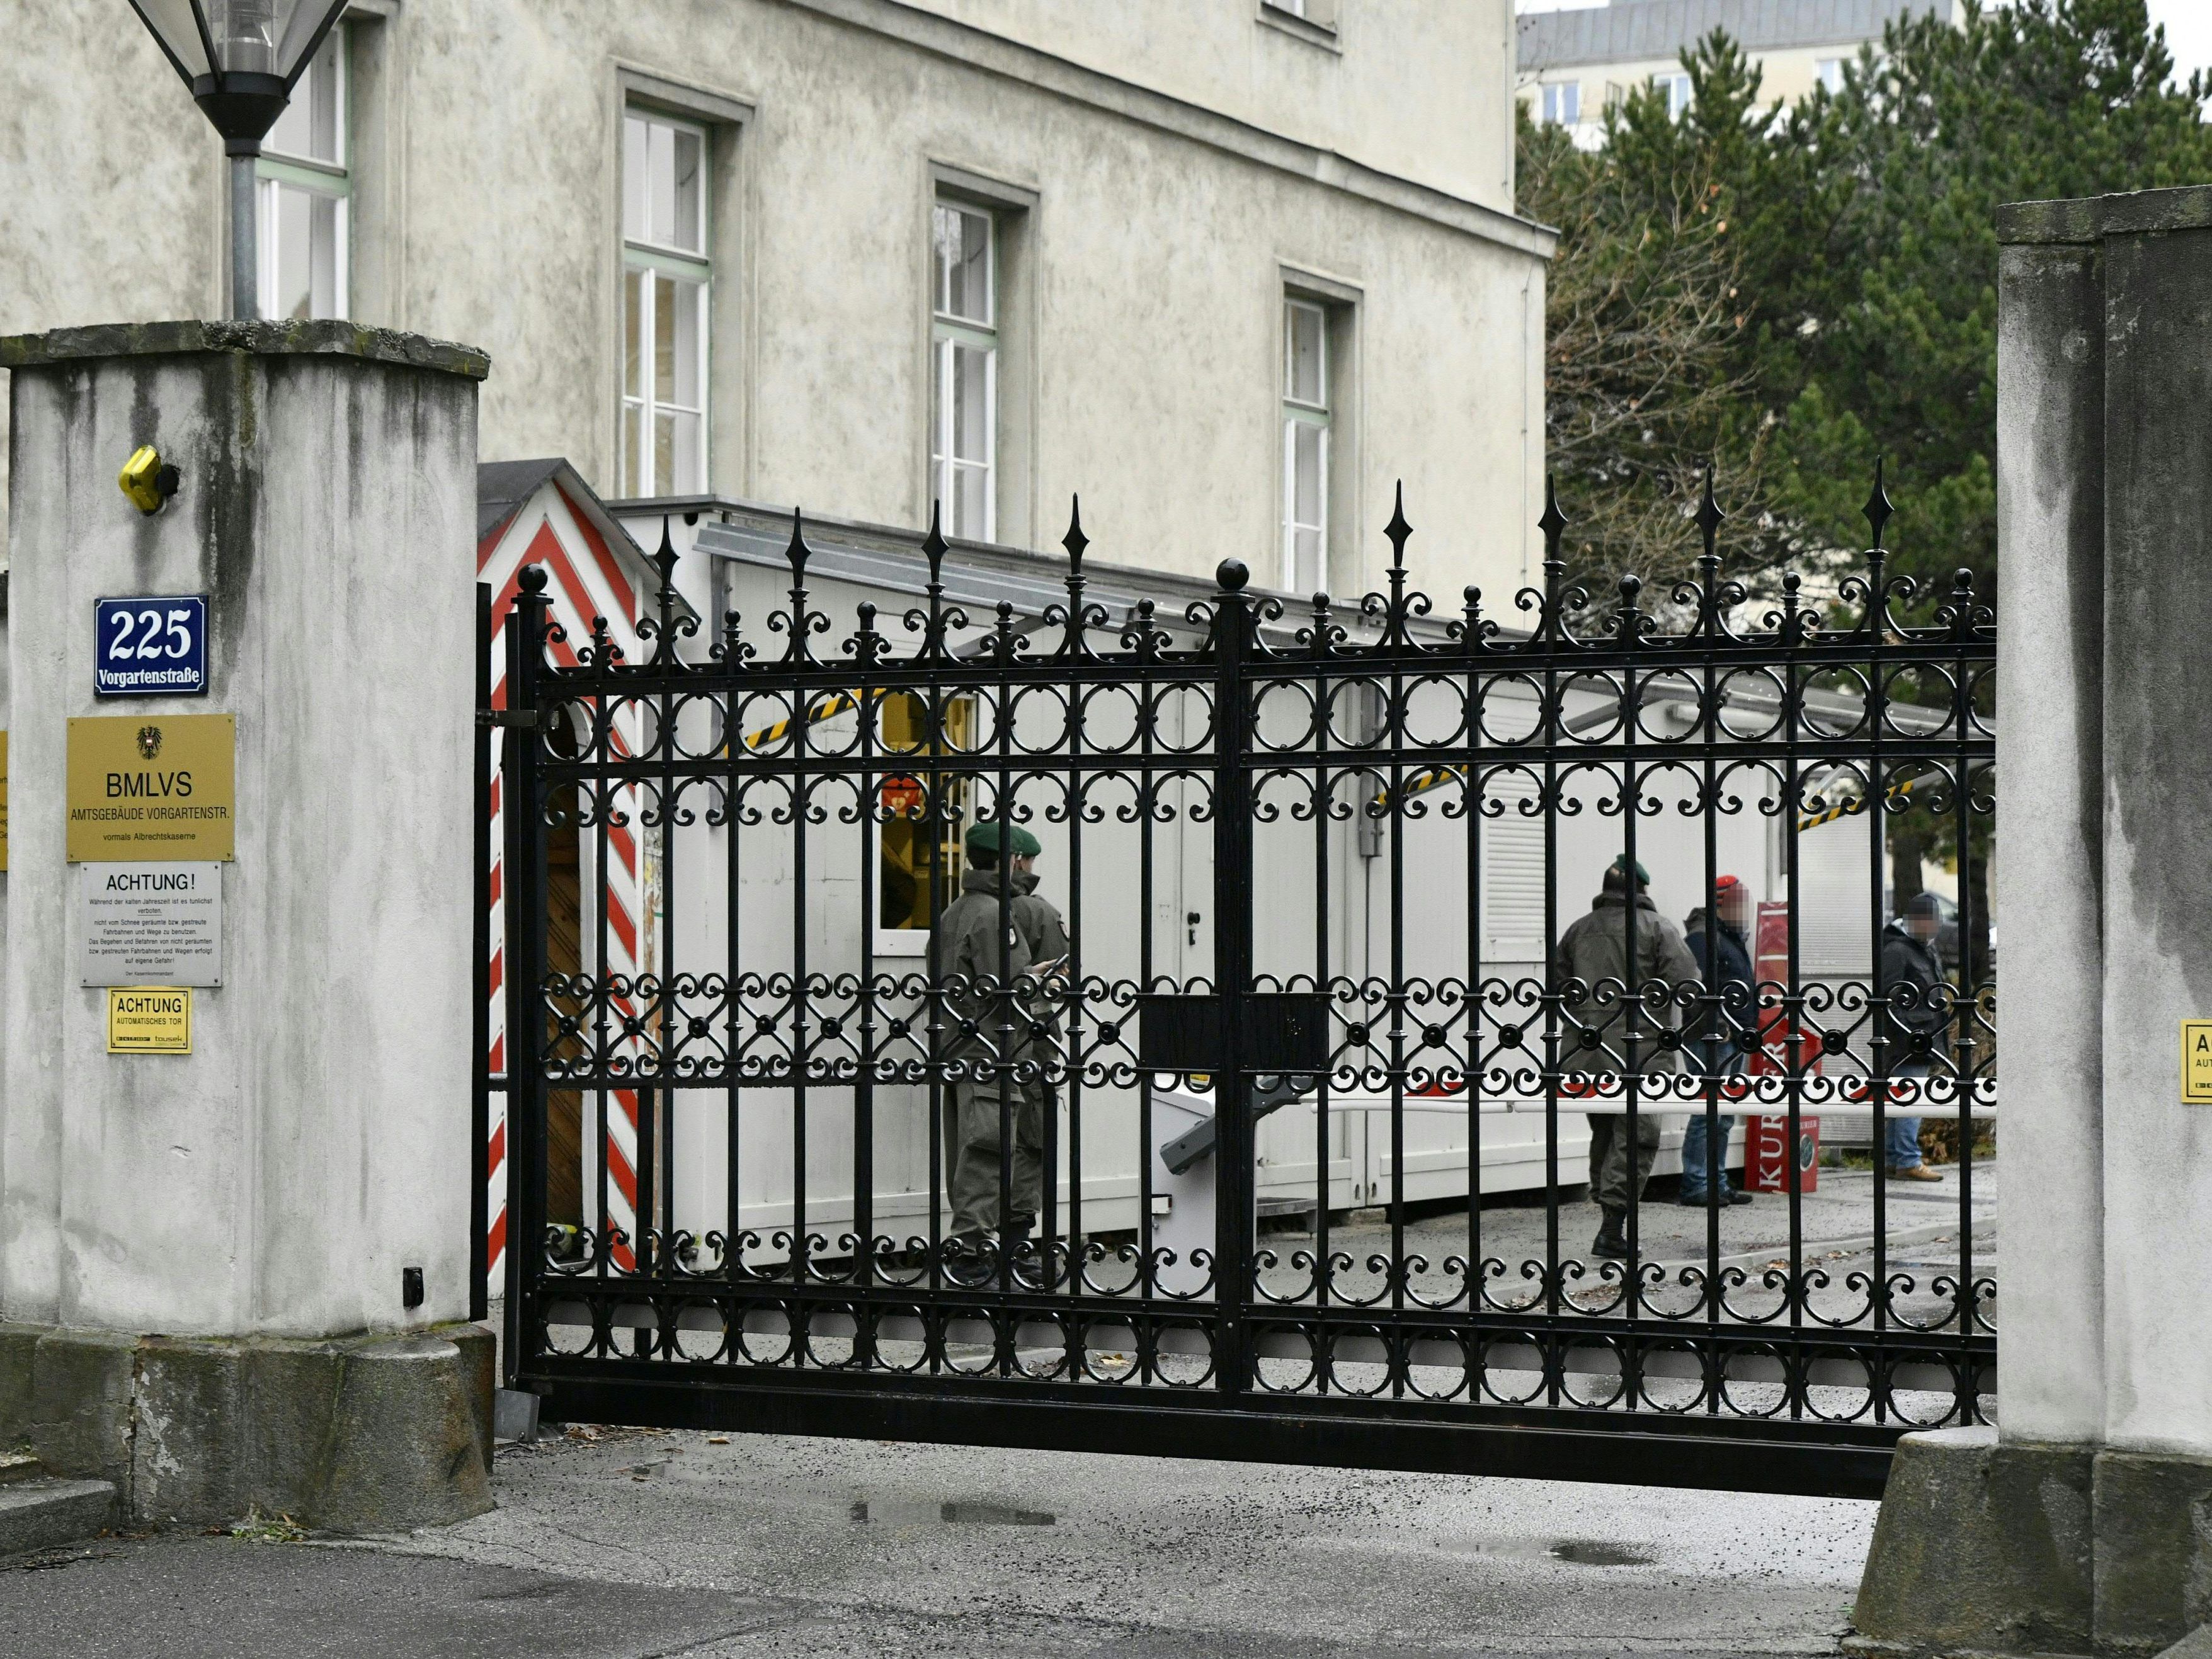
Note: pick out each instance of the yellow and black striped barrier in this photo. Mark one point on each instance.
(1903, 792)
(836, 704)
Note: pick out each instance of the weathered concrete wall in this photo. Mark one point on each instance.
(2157, 700)
(278, 1179)
(5, 705)
(2106, 492)
(2050, 506)
(1148, 303)
(2083, 1527)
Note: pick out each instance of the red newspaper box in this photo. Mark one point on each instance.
(1769, 1165)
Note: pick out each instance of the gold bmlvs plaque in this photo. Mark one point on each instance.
(152, 787)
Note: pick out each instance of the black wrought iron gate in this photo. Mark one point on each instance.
(1315, 866)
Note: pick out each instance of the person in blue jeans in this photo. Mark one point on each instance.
(1915, 1017)
(1724, 964)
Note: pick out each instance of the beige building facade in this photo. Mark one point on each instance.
(1228, 269)
(1578, 62)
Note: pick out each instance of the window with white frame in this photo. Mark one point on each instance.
(1829, 72)
(666, 276)
(1562, 104)
(964, 366)
(300, 195)
(1305, 446)
(1677, 90)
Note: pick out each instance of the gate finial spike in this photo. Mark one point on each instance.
(1554, 522)
(1398, 530)
(664, 560)
(933, 545)
(797, 552)
(1075, 541)
(1710, 516)
(1878, 509)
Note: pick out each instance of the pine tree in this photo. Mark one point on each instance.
(1820, 282)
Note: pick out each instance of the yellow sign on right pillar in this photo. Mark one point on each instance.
(2196, 1062)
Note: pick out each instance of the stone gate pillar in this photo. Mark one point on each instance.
(209, 1261)
(2084, 1524)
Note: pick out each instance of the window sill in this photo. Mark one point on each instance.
(1314, 34)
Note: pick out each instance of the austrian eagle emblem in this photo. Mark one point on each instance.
(150, 741)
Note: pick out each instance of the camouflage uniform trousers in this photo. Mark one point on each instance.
(1610, 1182)
(971, 1162)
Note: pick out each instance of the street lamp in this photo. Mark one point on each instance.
(241, 57)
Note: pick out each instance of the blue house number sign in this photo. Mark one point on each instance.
(150, 648)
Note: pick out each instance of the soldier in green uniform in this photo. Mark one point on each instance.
(995, 932)
(1593, 949)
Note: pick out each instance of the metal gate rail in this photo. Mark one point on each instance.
(776, 1070)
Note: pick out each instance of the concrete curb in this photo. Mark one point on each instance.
(355, 1434)
(37, 1515)
(1850, 1244)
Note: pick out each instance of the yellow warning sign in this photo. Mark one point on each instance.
(149, 1020)
(152, 787)
(2196, 1062)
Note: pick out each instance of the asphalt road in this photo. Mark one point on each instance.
(640, 1543)
(623, 1543)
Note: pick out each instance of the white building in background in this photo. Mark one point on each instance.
(1577, 61)
(1229, 269)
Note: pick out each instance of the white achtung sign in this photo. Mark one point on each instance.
(149, 924)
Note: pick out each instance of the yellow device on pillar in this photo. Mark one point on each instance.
(146, 480)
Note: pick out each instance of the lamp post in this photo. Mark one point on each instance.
(241, 58)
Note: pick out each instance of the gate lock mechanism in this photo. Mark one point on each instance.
(516, 719)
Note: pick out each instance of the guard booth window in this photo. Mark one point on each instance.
(909, 899)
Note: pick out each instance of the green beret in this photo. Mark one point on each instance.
(1620, 869)
(984, 838)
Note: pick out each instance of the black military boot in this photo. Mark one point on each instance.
(1611, 1243)
(968, 1260)
(1029, 1266)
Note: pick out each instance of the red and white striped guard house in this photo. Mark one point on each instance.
(542, 512)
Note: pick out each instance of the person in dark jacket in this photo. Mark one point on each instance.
(1916, 1004)
(1724, 964)
(1595, 949)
